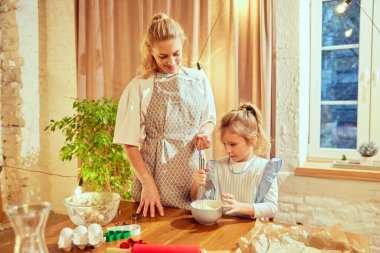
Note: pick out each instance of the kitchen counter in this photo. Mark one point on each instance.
(176, 227)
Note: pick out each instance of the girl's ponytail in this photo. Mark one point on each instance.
(248, 122)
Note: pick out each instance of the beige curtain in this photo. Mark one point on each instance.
(237, 57)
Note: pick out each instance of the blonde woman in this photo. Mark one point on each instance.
(169, 111)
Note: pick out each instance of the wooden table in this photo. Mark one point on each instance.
(176, 227)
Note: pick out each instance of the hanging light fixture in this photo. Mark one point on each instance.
(348, 33)
(342, 7)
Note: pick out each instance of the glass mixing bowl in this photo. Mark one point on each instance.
(92, 207)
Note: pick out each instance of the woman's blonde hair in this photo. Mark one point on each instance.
(161, 28)
(247, 122)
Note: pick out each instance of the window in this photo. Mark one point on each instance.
(345, 77)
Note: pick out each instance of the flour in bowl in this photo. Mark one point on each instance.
(205, 205)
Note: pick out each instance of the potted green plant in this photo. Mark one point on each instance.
(367, 150)
(343, 160)
(89, 134)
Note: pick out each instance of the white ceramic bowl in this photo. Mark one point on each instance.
(92, 207)
(207, 211)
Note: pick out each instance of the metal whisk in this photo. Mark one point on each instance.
(202, 165)
(202, 160)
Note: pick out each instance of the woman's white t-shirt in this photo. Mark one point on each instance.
(134, 102)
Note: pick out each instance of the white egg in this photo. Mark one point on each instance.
(65, 240)
(81, 237)
(95, 235)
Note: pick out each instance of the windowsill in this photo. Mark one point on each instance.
(326, 170)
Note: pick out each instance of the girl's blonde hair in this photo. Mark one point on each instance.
(161, 28)
(247, 121)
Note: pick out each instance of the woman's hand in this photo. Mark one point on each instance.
(202, 140)
(150, 199)
(234, 206)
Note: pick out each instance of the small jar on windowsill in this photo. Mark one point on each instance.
(367, 151)
(366, 160)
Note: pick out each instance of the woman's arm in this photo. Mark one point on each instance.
(150, 197)
(202, 140)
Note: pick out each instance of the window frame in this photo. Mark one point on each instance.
(375, 76)
(367, 120)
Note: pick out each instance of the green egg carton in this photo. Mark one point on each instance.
(115, 235)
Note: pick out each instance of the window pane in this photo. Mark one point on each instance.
(340, 75)
(338, 126)
(336, 28)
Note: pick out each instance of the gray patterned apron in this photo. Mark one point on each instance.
(173, 118)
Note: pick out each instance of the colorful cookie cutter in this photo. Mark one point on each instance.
(114, 235)
(129, 243)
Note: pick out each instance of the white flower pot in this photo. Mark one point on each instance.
(366, 160)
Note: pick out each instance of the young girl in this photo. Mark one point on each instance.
(165, 109)
(243, 181)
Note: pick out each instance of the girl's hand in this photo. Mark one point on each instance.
(150, 199)
(200, 176)
(234, 206)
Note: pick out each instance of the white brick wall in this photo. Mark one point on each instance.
(354, 204)
(1, 129)
(27, 73)
(12, 120)
(311, 201)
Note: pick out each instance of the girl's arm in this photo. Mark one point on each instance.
(194, 191)
(258, 210)
(200, 177)
(269, 207)
(234, 206)
(150, 198)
